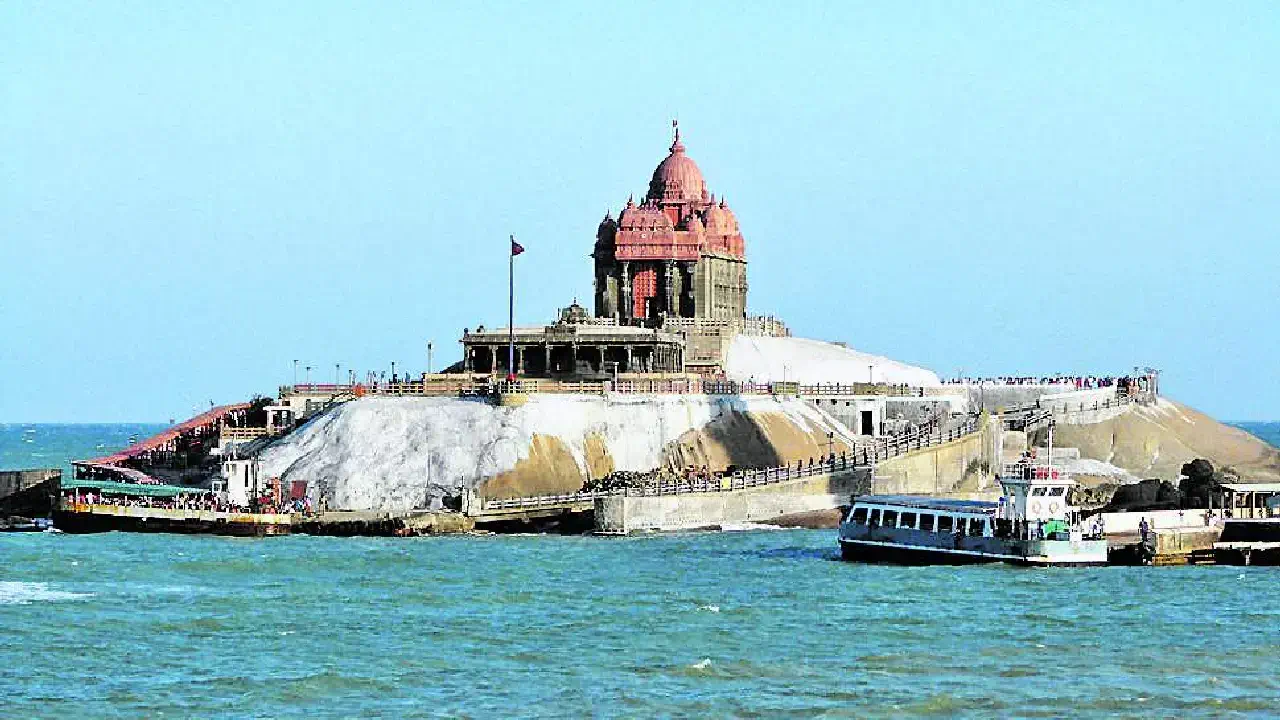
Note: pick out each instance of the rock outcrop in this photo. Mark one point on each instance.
(398, 453)
(1155, 441)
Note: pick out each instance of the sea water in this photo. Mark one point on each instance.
(765, 623)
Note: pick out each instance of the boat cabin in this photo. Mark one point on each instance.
(1036, 492)
(964, 517)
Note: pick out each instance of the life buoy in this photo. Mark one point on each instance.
(1035, 506)
(1053, 507)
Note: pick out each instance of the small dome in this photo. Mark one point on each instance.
(644, 217)
(721, 220)
(607, 227)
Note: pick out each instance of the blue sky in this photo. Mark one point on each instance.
(194, 195)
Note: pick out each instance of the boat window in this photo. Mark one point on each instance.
(1056, 491)
(944, 523)
(908, 520)
(860, 516)
(926, 522)
(1039, 491)
(975, 527)
(875, 517)
(891, 518)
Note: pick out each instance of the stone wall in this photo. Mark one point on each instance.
(961, 466)
(13, 481)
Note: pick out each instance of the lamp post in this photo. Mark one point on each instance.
(871, 377)
(308, 375)
(429, 349)
(337, 373)
(295, 373)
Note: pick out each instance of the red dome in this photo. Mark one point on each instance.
(677, 177)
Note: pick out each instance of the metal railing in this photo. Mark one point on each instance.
(536, 501)
(484, 385)
(1032, 414)
(866, 456)
(848, 389)
(245, 433)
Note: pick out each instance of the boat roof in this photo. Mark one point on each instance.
(924, 502)
(1252, 487)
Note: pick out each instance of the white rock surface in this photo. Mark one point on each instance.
(392, 453)
(770, 359)
(1098, 468)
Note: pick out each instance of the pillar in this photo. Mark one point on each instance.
(625, 310)
(629, 368)
(493, 362)
(669, 288)
(600, 349)
(467, 358)
(547, 366)
(519, 360)
(573, 358)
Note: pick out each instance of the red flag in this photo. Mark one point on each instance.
(516, 248)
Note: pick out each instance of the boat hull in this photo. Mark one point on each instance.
(879, 552)
(915, 547)
(153, 521)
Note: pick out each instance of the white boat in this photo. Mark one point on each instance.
(1034, 523)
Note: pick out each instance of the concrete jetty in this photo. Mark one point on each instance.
(625, 513)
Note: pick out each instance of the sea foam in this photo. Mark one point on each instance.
(25, 593)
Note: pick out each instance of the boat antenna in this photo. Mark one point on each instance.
(1049, 453)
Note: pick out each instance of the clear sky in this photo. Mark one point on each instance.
(193, 195)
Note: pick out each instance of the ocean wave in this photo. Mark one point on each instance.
(25, 593)
(749, 526)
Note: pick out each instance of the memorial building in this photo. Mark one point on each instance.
(670, 291)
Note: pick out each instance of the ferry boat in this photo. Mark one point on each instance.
(1034, 523)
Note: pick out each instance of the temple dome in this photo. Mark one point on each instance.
(677, 177)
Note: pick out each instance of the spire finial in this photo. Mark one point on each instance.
(676, 146)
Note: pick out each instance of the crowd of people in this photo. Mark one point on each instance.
(197, 500)
(1078, 382)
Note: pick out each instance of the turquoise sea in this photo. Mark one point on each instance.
(756, 624)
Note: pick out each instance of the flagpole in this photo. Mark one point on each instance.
(511, 308)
